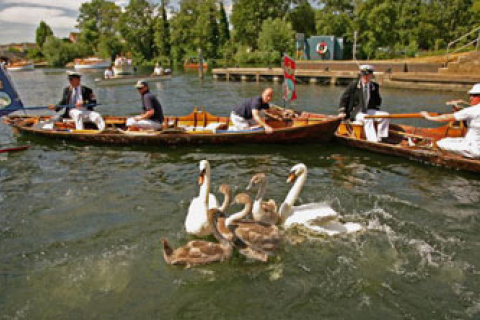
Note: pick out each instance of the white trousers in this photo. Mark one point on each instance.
(79, 116)
(459, 146)
(369, 124)
(241, 123)
(144, 124)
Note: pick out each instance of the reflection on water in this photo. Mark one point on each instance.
(80, 225)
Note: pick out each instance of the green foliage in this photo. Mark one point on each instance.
(162, 32)
(105, 14)
(34, 54)
(223, 26)
(43, 31)
(277, 36)
(302, 18)
(245, 56)
(194, 27)
(137, 27)
(110, 47)
(89, 37)
(58, 52)
(248, 16)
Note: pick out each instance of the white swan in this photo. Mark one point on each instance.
(263, 211)
(196, 222)
(316, 217)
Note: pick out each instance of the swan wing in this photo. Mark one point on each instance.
(212, 201)
(196, 222)
(311, 213)
(334, 228)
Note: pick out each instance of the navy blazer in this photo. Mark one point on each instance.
(87, 96)
(352, 100)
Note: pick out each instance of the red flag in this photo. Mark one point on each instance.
(289, 85)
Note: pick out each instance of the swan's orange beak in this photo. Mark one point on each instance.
(201, 178)
(291, 177)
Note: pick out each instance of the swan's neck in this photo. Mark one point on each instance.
(213, 221)
(205, 188)
(261, 191)
(239, 215)
(293, 194)
(225, 204)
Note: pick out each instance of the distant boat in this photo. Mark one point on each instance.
(132, 79)
(20, 66)
(125, 69)
(91, 63)
(192, 63)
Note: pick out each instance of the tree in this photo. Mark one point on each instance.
(248, 16)
(104, 13)
(89, 37)
(110, 47)
(42, 33)
(58, 52)
(277, 36)
(195, 27)
(162, 32)
(137, 27)
(302, 18)
(223, 26)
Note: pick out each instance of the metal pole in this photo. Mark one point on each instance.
(200, 64)
(355, 45)
(478, 40)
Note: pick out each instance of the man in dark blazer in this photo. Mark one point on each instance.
(362, 98)
(79, 100)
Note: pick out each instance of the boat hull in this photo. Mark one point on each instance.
(26, 67)
(425, 155)
(305, 130)
(128, 80)
(99, 65)
(124, 70)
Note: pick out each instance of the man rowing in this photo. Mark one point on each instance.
(152, 116)
(77, 101)
(468, 146)
(362, 98)
(247, 115)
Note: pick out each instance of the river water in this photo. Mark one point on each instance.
(80, 225)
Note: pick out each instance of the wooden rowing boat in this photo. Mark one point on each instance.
(199, 127)
(411, 142)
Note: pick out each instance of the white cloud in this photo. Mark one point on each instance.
(55, 18)
(65, 4)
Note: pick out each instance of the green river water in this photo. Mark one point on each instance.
(80, 225)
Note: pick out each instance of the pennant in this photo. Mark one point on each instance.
(9, 99)
(289, 85)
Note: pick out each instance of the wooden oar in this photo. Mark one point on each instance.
(8, 150)
(400, 116)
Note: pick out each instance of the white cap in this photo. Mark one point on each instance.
(367, 69)
(73, 74)
(141, 84)
(475, 89)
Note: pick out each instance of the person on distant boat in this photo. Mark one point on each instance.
(362, 98)
(158, 71)
(109, 73)
(468, 146)
(75, 96)
(152, 116)
(247, 115)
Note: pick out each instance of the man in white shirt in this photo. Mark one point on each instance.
(468, 146)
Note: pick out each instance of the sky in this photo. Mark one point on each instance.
(20, 18)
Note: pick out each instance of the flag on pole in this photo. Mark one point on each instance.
(9, 99)
(289, 85)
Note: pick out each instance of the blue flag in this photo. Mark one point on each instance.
(9, 99)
